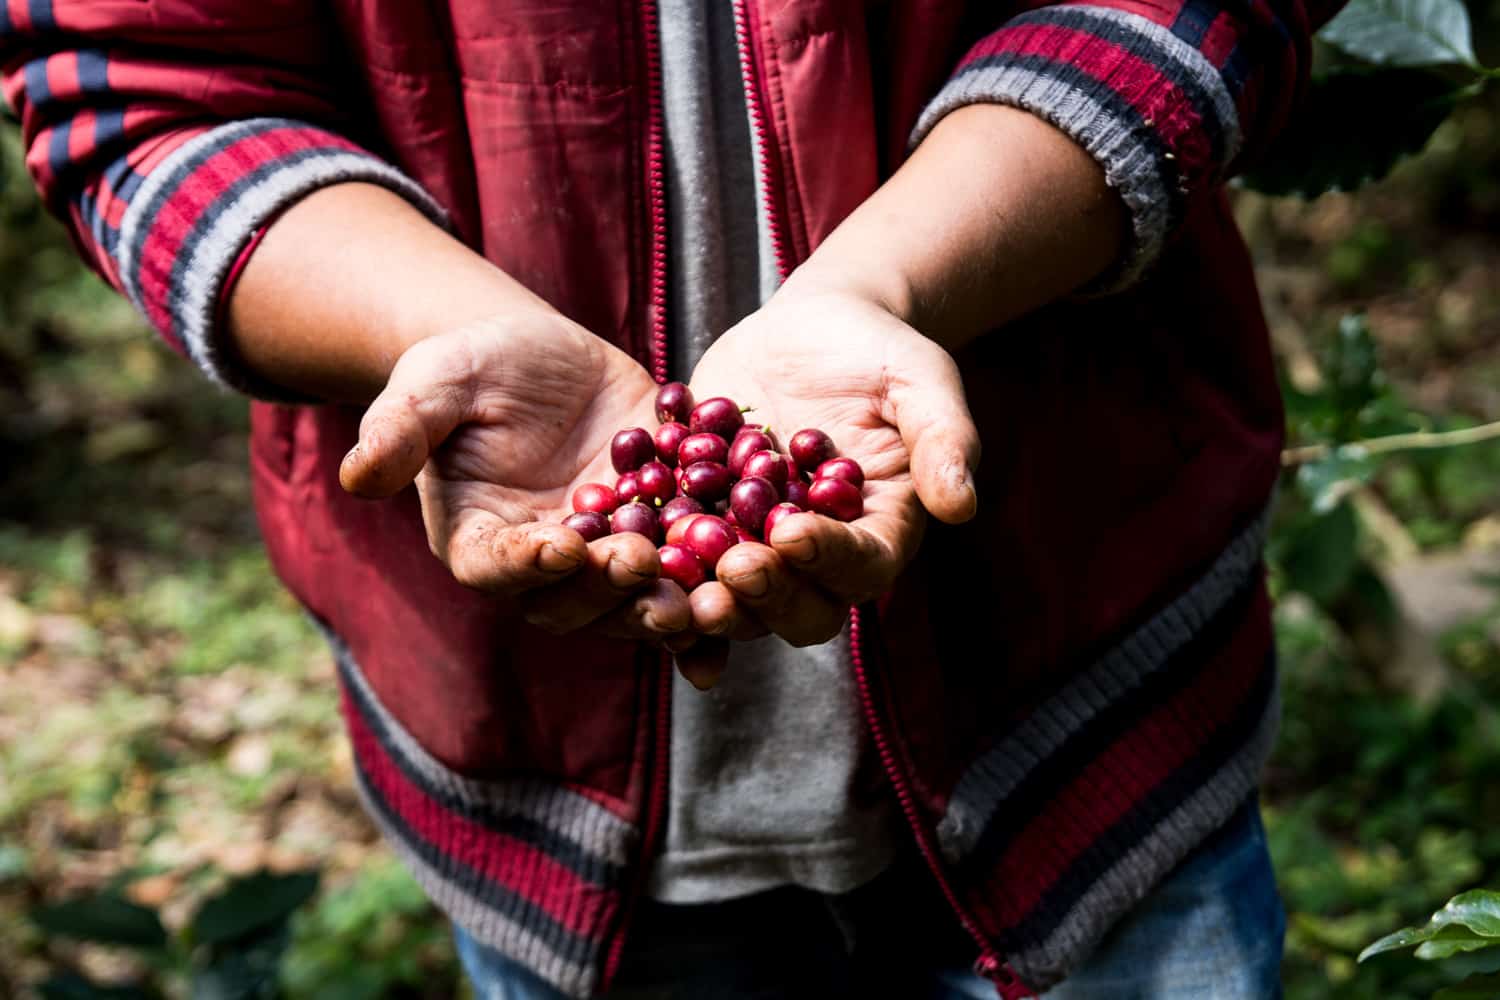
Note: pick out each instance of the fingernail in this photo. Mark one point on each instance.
(552, 559)
(650, 621)
(753, 584)
(803, 548)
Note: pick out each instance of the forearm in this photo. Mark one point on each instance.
(995, 214)
(345, 281)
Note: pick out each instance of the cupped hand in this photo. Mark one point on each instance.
(497, 424)
(889, 398)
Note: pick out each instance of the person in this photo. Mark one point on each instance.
(1000, 734)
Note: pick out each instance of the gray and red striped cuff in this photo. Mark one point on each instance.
(1149, 106)
(189, 222)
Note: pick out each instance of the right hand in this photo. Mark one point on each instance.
(498, 423)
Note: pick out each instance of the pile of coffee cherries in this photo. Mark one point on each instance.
(706, 481)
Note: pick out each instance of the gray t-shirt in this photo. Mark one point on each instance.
(773, 781)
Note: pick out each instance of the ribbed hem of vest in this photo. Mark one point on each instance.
(527, 867)
(1071, 819)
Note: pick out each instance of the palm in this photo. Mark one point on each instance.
(836, 380)
(536, 432)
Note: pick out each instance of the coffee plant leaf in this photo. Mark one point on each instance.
(1404, 32)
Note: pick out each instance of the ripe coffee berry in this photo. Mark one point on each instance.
(589, 523)
(674, 402)
(746, 443)
(628, 487)
(796, 494)
(705, 481)
(702, 448)
(709, 537)
(716, 416)
(846, 469)
(657, 483)
(669, 438)
(682, 566)
(675, 510)
(751, 500)
(595, 497)
(631, 449)
(767, 465)
(635, 517)
(678, 531)
(811, 448)
(836, 498)
(778, 513)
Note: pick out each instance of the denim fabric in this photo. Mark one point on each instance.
(1213, 929)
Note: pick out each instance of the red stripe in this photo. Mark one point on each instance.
(1220, 39)
(520, 867)
(1140, 83)
(62, 76)
(20, 14)
(199, 191)
(1079, 813)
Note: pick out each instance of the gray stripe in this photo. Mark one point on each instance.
(194, 301)
(1076, 107)
(1158, 46)
(579, 819)
(487, 925)
(1139, 871)
(983, 788)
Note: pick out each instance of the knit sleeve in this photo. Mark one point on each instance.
(166, 147)
(1167, 95)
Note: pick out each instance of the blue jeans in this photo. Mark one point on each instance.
(1212, 930)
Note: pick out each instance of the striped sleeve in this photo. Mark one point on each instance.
(1167, 96)
(166, 163)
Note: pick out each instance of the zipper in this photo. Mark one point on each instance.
(659, 764)
(989, 964)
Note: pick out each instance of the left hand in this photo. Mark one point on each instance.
(889, 398)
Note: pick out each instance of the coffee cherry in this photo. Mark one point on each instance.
(628, 487)
(779, 513)
(709, 537)
(767, 465)
(751, 500)
(811, 448)
(591, 524)
(657, 483)
(680, 525)
(595, 497)
(746, 443)
(630, 449)
(675, 510)
(705, 481)
(796, 494)
(674, 402)
(846, 469)
(716, 416)
(635, 517)
(669, 438)
(836, 498)
(702, 448)
(682, 566)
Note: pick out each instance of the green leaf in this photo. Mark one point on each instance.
(250, 904)
(1470, 917)
(1319, 553)
(103, 920)
(1485, 986)
(1352, 128)
(1445, 947)
(1328, 482)
(1404, 32)
(248, 969)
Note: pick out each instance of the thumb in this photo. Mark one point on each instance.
(425, 399)
(933, 419)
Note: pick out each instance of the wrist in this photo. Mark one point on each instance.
(869, 282)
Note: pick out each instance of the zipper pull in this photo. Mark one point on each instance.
(1008, 985)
